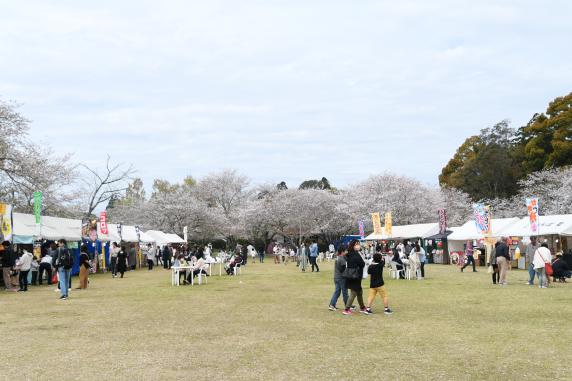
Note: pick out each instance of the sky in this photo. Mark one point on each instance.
(279, 90)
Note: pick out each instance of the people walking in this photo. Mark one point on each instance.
(353, 275)
(541, 258)
(122, 259)
(339, 280)
(314, 256)
(529, 252)
(63, 264)
(469, 256)
(503, 260)
(377, 285)
(84, 267)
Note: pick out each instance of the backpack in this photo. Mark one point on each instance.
(65, 259)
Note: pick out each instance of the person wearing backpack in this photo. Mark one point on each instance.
(64, 263)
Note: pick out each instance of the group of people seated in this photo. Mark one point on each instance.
(407, 256)
(197, 261)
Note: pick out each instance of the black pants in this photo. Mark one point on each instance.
(166, 264)
(314, 263)
(23, 280)
(34, 278)
(261, 258)
(422, 269)
(113, 266)
(159, 261)
(496, 274)
(150, 264)
(48, 269)
(470, 259)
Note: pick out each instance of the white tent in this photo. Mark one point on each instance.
(469, 229)
(547, 225)
(128, 234)
(173, 238)
(159, 237)
(407, 231)
(52, 228)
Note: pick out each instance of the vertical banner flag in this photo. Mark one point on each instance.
(186, 233)
(119, 227)
(482, 218)
(361, 230)
(442, 221)
(138, 232)
(532, 207)
(388, 224)
(5, 222)
(103, 223)
(376, 219)
(38, 206)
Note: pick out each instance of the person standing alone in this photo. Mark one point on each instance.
(314, 256)
(64, 263)
(8, 262)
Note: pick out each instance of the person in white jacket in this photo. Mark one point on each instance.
(24, 263)
(542, 256)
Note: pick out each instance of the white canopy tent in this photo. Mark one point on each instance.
(468, 231)
(51, 228)
(128, 234)
(547, 225)
(159, 237)
(407, 231)
(173, 238)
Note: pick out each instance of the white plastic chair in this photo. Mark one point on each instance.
(237, 269)
(394, 272)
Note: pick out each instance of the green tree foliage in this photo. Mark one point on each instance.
(322, 184)
(547, 138)
(486, 165)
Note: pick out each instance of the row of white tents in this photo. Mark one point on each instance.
(554, 225)
(26, 231)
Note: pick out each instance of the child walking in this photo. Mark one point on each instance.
(376, 284)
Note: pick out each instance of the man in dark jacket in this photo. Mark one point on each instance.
(503, 260)
(8, 261)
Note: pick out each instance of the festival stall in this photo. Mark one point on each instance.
(437, 246)
(160, 238)
(27, 232)
(470, 232)
(554, 229)
(173, 238)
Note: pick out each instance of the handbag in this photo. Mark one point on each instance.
(351, 273)
(548, 269)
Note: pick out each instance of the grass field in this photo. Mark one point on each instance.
(272, 323)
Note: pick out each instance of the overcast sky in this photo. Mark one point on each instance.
(280, 90)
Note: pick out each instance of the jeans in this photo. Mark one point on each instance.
(314, 263)
(64, 276)
(531, 273)
(261, 257)
(23, 280)
(113, 265)
(340, 289)
(542, 277)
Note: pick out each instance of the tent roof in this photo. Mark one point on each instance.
(173, 238)
(128, 234)
(547, 225)
(159, 237)
(407, 231)
(469, 229)
(52, 228)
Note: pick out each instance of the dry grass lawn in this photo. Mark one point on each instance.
(272, 323)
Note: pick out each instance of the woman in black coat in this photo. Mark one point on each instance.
(122, 261)
(354, 260)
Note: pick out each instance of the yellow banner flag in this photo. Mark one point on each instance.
(388, 224)
(376, 219)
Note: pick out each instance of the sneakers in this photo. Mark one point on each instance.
(369, 311)
(332, 308)
(387, 311)
(364, 311)
(63, 297)
(347, 312)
